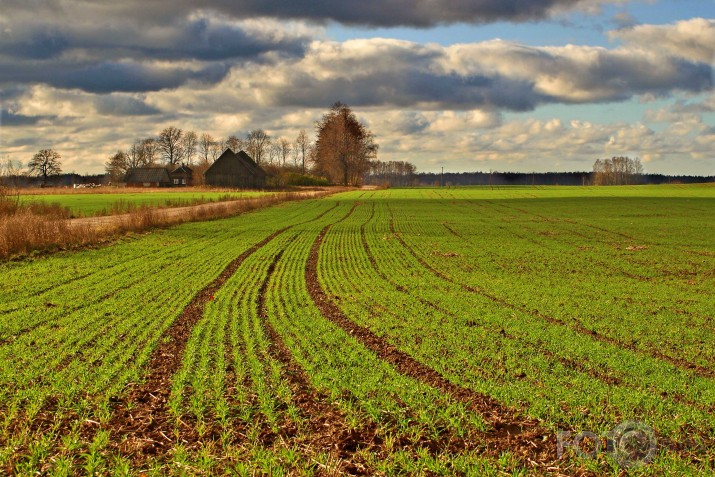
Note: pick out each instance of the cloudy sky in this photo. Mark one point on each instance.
(468, 85)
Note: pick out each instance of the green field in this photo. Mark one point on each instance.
(87, 204)
(389, 332)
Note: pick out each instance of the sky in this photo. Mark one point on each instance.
(468, 85)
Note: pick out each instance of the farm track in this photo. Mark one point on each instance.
(525, 437)
(578, 327)
(109, 221)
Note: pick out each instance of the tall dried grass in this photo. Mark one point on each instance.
(28, 228)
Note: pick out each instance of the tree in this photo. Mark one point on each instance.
(147, 149)
(188, 147)
(344, 147)
(217, 149)
(257, 145)
(302, 143)
(118, 165)
(9, 172)
(392, 173)
(617, 171)
(234, 143)
(284, 150)
(206, 143)
(44, 164)
(169, 143)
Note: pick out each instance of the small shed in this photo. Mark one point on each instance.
(182, 176)
(235, 170)
(148, 177)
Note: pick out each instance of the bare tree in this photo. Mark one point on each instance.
(188, 147)
(274, 153)
(234, 143)
(206, 143)
(170, 144)
(217, 149)
(148, 147)
(392, 173)
(258, 145)
(300, 151)
(10, 171)
(119, 163)
(284, 150)
(44, 164)
(617, 171)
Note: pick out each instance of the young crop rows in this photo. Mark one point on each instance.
(389, 332)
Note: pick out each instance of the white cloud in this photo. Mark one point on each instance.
(692, 39)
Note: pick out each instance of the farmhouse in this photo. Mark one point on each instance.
(148, 177)
(236, 171)
(182, 176)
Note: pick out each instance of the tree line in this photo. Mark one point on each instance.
(343, 151)
(174, 146)
(617, 171)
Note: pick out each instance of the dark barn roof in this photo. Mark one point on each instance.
(147, 174)
(182, 169)
(235, 170)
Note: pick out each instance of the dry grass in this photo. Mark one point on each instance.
(114, 190)
(25, 229)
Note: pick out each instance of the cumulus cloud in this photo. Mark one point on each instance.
(73, 83)
(121, 55)
(200, 36)
(692, 39)
(493, 75)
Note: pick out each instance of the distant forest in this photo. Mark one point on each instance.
(418, 179)
(539, 178)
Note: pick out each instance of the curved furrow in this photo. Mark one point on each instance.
(509, 429)
(327, 427)
(146, 422)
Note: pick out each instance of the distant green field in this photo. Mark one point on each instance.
(88, 204)
(390, 332)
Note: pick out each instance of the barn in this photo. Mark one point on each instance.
(235, 170)
(182, 176)
(147, 177)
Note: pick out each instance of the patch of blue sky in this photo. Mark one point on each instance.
(575, 28)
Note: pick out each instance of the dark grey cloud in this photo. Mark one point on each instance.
(107, 77)
(101, 54)
(9, 119)
(412, 88)
(379, 13)
(492, 76)
(198, 38)
(391, 13)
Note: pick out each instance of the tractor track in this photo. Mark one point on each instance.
(327, 430)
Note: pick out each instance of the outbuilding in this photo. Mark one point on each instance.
(235, 170)
(182, 176)
(148, 177)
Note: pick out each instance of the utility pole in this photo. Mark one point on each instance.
(441, 178)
